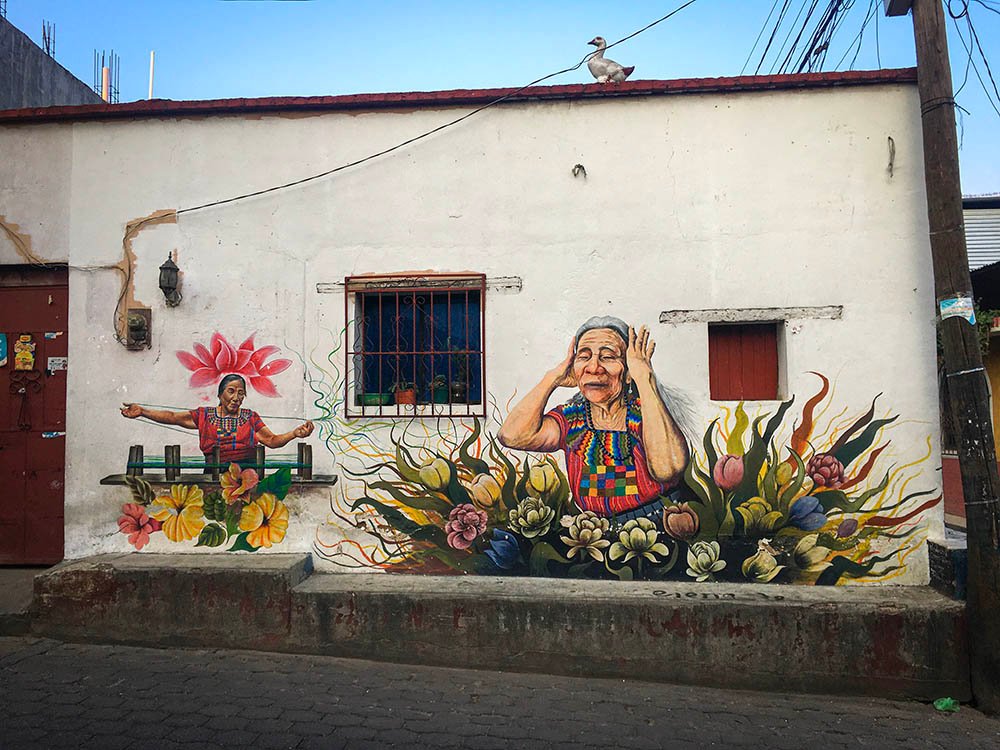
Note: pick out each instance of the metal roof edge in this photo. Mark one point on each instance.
(456, 97)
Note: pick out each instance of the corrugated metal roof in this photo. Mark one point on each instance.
(982, 236)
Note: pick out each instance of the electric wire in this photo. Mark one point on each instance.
(759, 35)
(432, 131)
(134, 228)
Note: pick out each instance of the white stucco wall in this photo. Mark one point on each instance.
(741, 200)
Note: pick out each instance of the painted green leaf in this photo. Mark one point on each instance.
(241, 544)
(507, 497)
(214, 506)
(477, 465)
(558, 500)
(854, 448)
(399, 522)
(455, 490)
(753, 460)
(541, 555)
(405, 467)
(277, 483)
(522, 483)
(831, 499)
(232, 521)
(769, 482)
(212, 535)
(734, 446)
(420, 502)
(661, 569)
(843, 566)
(795, 486)
(709, 444)
(775, 421)
(142, 491)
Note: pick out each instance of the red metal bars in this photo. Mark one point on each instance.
(377, 353)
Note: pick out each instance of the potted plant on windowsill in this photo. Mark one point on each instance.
(460, 384)
(404, 392)
(375, 399)
(439, 389)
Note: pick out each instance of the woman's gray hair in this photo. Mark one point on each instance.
(677, 402)
(617, 325)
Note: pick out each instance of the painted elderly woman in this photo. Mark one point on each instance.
(623, 449)
(236, 431)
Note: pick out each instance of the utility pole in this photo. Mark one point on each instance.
(963, 362)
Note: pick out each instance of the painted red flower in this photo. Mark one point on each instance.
(211, 365)
(137, 525)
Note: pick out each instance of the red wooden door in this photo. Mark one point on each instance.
(33, 424)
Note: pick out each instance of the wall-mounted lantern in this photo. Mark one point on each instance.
(168, 282)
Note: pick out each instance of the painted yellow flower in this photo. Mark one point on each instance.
(266, 518)
(181, 512)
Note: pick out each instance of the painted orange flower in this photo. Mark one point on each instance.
(236, 483)
(181, 512)
(266, 518)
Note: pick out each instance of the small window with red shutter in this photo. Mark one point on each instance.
(743, 361)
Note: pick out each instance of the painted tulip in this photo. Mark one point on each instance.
(586, 534)
(703, 561)
(847, 527)
(807, 514)
(810, 556)
(485, 491)
(465, 523)
(531, 517)
(761, 567)
(504, 550)
(825, 471)
(728, 472)
(435, 474)
(680, 521)
(783, 474)
(542, 479)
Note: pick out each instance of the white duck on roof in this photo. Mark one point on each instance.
(603, 69)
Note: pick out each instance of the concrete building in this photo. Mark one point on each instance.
(770, 233)
(31, 78)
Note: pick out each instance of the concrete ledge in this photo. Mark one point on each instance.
(163, 600)
(898, 642)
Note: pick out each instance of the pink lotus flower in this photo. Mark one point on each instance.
(209, 367)
(235, 483)
(465, 523)
(137, 525)
(728, 472)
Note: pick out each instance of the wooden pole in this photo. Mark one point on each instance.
(965, 377)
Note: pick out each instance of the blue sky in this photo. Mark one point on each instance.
(209, 49)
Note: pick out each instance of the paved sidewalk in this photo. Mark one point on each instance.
(108, 697)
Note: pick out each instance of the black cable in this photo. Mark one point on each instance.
(774, 33)
(759, 35)
(428, 133)
(975, 69)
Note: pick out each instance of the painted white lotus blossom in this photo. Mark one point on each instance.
(703, 561)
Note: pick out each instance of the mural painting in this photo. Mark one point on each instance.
(768, 497)
(245, 509)
(814, 494)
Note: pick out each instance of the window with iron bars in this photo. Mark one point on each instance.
(416, 345)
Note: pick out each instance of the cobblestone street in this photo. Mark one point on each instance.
(107, 697)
